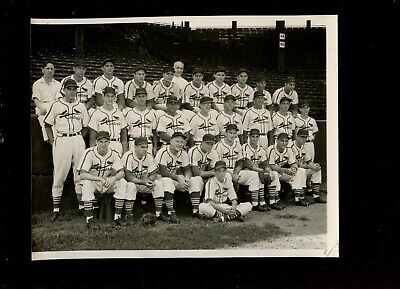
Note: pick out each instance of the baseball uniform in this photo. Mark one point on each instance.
(243, 96)
(284, 123)
(260, 119)
(173, 123)
(201, 125)
(84, 91)
(181, 82)
(101, 82)
(218, 93)
(192, 95)
(131, 86)
(311, 126)
(223, 119)
(267, 96)
(280, 93)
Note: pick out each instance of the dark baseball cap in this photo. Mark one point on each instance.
(290, 79)
(79, 62)
(107, 60)
(304, 103)
(208, 138)
(231, 126)
(220, 69)
(102, 134)
(285, 98)
(197, 70)
(140, 90)
(109, 89)
(205, 99)
(172, 99)
(229, 97)
(302, 132)
(259, 94)
(282, 135)
(140, 140)
(70, 83)
(254, 131)
(178, 134)
(168, 69)
(242, 70)
(139, 67)
(220, 164)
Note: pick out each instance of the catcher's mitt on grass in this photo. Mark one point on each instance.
(148, 219)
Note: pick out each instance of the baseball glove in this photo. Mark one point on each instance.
(148, 219)
(264, 178)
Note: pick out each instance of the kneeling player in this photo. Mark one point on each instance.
(141, 174)
(101, 171)
(218, 190)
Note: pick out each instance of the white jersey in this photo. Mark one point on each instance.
(308, 124)
(84, 90)
(98, 165)
(102, 82)
(257, 118)
(67, 118)
(46, 92)
(162, 92)
(218, 93)
(229, 153)
(280, 93)
(267, 95)
(220, 192)
(223, 119)
(257, 156)
(284, 159)
(283, 123)
(131, 86)
(300, 153)
(140, 168)
(243, 95)
(180, 81)
(193, 94)
(201, 125)
(173, 123)
(141, 122)
(204, 161)
(174, 163)
(112, 121)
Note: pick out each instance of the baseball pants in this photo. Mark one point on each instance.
(316, 177)
(208, 210)
(132, 189)
(251, 179)
(90, 187)
(309, 147)
(196, 184)
(298, 181)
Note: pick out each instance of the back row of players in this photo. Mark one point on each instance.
(176, 109)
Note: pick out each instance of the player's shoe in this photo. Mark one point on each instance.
(321, 199)
(259, 208)
(54, 216)
(276, 206)
(92, 224)
(81, 212)
(218, 219)
(118, 222)
(302, 203)
(281, 204)
(163, 217)
(267, 209)
(240, 218)
(197, 215)
(174, 219)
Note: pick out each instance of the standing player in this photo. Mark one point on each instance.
(242, 92)
(282, 160)
(303, 121)
(172, 121)
(44, 92)
(174, 168)
(141, 174)
(261, 82)
(178, 79)
(109, 118)
(228, 116)
(218, 190)
(258, 117)
(108, 79)
(283, 120)
(101, 171)
(138, 81)
(165, 88)
(219, 89)
(85, 86)
(203, 122)
(142, 122)
(289, 92)
(68, 118)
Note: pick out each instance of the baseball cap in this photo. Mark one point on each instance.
(220, 69)
(304, 103)
(102, 134)
(254, 131)
(242, 70)
(139, 67)
(282, 135)
(140, 90)
(220, 164)
(70, 83)
(178, 134)
(140, 140)
(285, 98)
(109, 89)
(208, 138)
(205, 99)
(290, 79)
(302, 132)
(259, 94)
(168, 69)
(107, 60)
(79, 62)
(198, 70)
(172, 99)
(229, 97)
(231, 126)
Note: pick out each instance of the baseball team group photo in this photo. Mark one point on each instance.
(206, 135)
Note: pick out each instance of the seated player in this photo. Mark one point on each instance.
(101, 171)
(242, 92)
(141, 174)
(283, 121)
(228, 116)
(219, 189)
(219, 89)
(261, 83)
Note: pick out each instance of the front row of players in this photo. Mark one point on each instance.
(203, 168)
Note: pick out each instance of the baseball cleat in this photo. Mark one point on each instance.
(118, 222)
(279, 203)
(174, 219)
(302, 203)
(267, 209)
(276, 206)
(240, 219)
(259, 208)
(321, 199)
(197, 215)
(162, 217)
(92, 224)
(54, 216)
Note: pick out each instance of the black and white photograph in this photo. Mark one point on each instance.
(184, 136)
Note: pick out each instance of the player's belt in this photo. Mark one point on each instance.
(242, 107)
(114, 139)
(263, 134)
(132, 138)
(68, 134)
(309, 141)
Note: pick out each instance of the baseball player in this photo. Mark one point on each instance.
(108, 79)
(313, 170)
(202, 159)
(142, 122)
(193, 92)
(282, 160)
(219, 89)
(261, 83)
(44, 92)
(101, 171)
(172, 121)
(283, 120)
(258, 117)
(178, 79)
(242, 92)
(230, 151)
(141, 174)
(203, 122)
(303, 121)
(217, 192)
(165, 88)
(109, 118)
(138, 81)
(287, 91)
(68, 118)
(85, 86)
(228, 116)
(174, 168)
